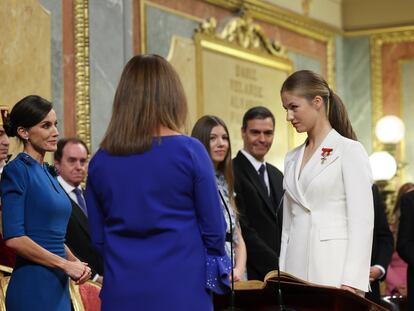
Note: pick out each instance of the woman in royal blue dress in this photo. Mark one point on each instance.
(212, 132)
(153, 204)
(35, 214)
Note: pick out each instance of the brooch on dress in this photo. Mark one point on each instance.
(51, 169)
(325, 153)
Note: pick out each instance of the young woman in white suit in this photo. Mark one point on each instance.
(328, 213)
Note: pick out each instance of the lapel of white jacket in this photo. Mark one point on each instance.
(290, 180)
(317, 164)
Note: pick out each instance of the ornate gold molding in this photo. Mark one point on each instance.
(82, 100)
(376, 31)
(377, 42)
(244, 33)
(295, 22)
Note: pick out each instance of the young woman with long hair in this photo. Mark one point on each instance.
(328, 214)
(153, 206)
(212, 132)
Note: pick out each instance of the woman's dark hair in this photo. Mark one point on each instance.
(307, 84)
(149, 95)
(26, 113)
(202, 131)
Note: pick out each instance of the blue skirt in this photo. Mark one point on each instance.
(36, 287)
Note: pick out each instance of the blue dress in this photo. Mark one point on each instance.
(157, 220)
(34, 205)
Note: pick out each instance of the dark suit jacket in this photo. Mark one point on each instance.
(383, 243)
(405, 241)
(260, 223)
(79, 240)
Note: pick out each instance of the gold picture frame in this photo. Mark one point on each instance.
(82, 96)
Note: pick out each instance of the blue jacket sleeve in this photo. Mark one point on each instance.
(95, 211)
(13, 193)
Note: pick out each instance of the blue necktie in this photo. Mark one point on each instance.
(262, 169)
(81, 200)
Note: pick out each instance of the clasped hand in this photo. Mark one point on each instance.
(78, 271)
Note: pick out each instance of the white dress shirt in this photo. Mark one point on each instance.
(257, 164)
(69, 189)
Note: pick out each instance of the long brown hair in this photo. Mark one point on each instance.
(149, 95)
(202, 131)
(307, 84)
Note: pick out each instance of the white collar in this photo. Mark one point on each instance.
(256, 163)
(66, 186)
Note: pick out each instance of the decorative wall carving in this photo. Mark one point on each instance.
(243, 32)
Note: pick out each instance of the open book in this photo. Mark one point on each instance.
(270, 277)
(255, 295)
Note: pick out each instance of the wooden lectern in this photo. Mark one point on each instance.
(297, 295)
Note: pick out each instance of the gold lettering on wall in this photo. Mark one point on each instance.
(244, 93)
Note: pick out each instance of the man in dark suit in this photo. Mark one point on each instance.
(405, 242)
(71, 161)
(259, 190)
(382, 247)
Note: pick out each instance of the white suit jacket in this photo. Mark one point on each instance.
(328, 215)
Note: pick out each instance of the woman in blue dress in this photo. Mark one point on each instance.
(153, 204)
(35, 215)
(213, 134)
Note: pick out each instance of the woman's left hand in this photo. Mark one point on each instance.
(86, 274)
(238, 274)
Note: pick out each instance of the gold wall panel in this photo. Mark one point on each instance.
(25, 49)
